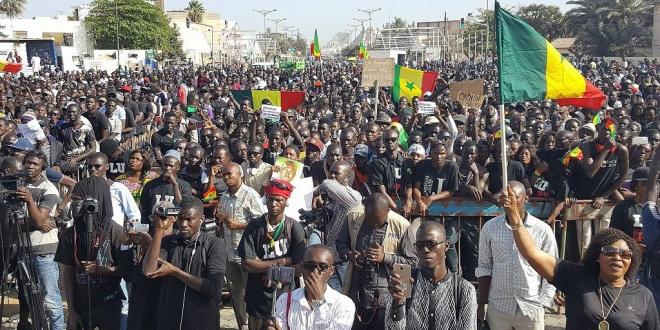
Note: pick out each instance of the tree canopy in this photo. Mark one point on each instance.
(12, 8)
(195, 11)
(141, 26)
(547, 20)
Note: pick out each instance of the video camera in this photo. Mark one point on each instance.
(10, 185)
(315, 219)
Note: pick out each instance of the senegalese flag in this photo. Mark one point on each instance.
(611, 128)
(575, 153)
(210, 194)
(285, 99)
(10, 67)
(316, 49)
(531, 69)
(362, 51)
(596, 119)
(410, 82)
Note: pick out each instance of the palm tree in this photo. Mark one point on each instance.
(12, 8)
(610, 27)
(195, 11)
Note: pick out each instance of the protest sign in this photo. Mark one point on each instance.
(378, 69)
(426, 107)
(271, 112)
(287, 169)
(469, 93)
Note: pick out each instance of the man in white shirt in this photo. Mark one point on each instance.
(316, 306)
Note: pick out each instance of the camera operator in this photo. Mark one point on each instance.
(192, 267)
(238, 205)
(342, 198)
(91, 282)
(41, 197)
(167, 187)
(373, 239)
(272, 239)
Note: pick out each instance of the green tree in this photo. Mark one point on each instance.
(397, 23)
(140, 25)
(195, 11)
(610, 27)
(174, 47)
(12, 8)
(547, 20)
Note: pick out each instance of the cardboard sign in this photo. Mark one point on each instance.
(381, 69)
(426, 107)
(271, 112)
(469, 93)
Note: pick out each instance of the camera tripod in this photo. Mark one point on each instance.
(19, 245)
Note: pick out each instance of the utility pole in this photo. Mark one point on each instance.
(361, 20)
(265, 13)
(369, 12)
(277, 22)
(487, 30)
(354, 27)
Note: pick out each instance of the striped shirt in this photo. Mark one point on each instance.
(337, 313)
(514, 283)
(343, 198)
(243, 206)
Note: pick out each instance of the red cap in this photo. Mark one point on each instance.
(316, 143)
(126, 88)
(278, 187)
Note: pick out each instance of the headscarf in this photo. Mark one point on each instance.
(97, 188)
(278, 187)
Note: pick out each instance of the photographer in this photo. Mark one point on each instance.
(167, 187)
(272, 239)
(192, 267)
(88, 258)
(342, 198)
(41, 197)
(373, 239)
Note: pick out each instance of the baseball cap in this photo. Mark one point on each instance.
(641, 174)
(173, 153)
(417, 149)
(22, 144)
(591, 127)
(460, 119)
(383, 118)
(430, 120)
(316, 143)
(361, 150)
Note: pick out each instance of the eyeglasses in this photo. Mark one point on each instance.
(53, 114)
(254, 152)
(311, 266)
(612, 251)
(420, 245)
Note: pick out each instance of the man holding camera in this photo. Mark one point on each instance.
(373, 239)
(191, 265)
(270, 240)
(167, 187)
(237, 207)
(317, 305)
(41, 197)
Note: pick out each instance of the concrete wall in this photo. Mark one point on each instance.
(655, 50)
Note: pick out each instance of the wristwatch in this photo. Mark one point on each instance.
(317, 303)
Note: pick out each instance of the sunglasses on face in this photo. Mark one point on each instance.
(311, 266)
(612, 251)
(420, 245)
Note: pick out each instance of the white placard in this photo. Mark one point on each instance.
(32, 131)
(271, 112)
(301, 198)
(426, 107)
(640, 140)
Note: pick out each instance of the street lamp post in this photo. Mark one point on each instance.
(264, 12)
(361, 20)
(277, 22)
(369, 12)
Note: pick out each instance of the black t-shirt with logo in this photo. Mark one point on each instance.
(158, 190)
(117, 167)
(163, 142)
(585, 187)
(634, 308)
(434, 180)
(255, 245)
(99, 122)
(386, 171)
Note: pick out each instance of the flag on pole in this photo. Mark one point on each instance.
(410, 82)
(316, 48)
(10, 67)
(531, 69)
(362, 51)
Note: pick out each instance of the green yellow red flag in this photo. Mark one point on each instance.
(410, 82)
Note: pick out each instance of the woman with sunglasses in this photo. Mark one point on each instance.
(601, 291)
(138, 173)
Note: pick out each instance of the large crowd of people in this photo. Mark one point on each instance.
(150, 193)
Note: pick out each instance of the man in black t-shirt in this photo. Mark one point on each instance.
(78, 141)
(167, 137)
(515, 172)
(385, 176)
(99, 121)
(167, 187)
(117, 158)
(272, 239)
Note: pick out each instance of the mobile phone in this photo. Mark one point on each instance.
(191, 109)
(405, 274)
(280, 275)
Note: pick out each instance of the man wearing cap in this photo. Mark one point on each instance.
(599, 175)
(627, 213)
(313, 149)
(361, 159)
(417, 154)
(166, 187)
(272, 239)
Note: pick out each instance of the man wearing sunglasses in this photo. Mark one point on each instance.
(316, 305)
(440, 299)
(385, 176)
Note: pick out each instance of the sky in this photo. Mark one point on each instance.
(328, 16)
